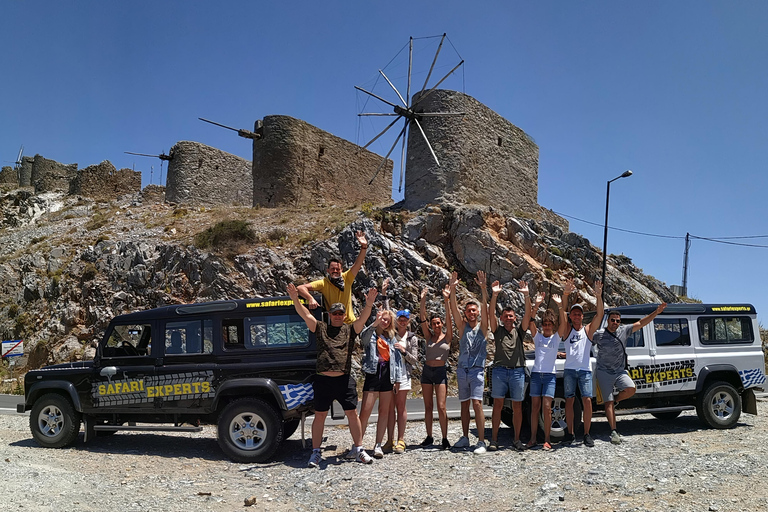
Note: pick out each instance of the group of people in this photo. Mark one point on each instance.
(390, 352)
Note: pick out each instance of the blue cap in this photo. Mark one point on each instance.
(404, 312)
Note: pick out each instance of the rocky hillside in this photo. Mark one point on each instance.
(68, 264)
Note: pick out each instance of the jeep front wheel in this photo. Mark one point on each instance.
(249, 430)
(53, 421)
(719, 406)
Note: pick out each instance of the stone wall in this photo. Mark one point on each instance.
(49, 175)
(9, 176)
(202, 175)
(104, 181)
(296, 163)
(25, 173)
(484, 158)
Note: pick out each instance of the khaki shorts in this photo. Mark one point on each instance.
(608, 382)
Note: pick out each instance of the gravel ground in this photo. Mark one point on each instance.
(663, 465)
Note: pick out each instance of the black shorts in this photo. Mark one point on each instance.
(327, 389)
(379, 381)
(434, 375)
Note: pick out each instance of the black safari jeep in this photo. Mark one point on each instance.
(244, 365)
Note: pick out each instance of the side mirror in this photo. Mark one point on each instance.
(108, 372)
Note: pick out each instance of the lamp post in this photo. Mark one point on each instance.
(625, 174)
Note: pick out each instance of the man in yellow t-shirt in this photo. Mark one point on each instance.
(336, 286)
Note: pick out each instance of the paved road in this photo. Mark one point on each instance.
(415, 409)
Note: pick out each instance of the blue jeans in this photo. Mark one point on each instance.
(471, 382)
(543, 384)
(508, 380)
(581, 377)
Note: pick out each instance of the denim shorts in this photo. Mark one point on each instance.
(584, 380)
(471, 383)
(543, 384)
(508, 380)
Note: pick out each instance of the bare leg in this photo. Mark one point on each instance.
(391, 422)
(366, 408)
(535, 406)
(610, 415)
(517, 418)
(477, 405)
(569, 414)
(547, 410)
(318, 425)
(385, 404)
(587, 405)
(625, 393)
(465, 418)
(354, 427)
(426, 391)
(442, 413)
(498, 405)
(402, 414)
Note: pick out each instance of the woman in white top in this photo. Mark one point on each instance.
(543, 374)
(433, 376)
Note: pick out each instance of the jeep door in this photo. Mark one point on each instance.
(125, 365)
(674, 361)
(639, 358)
(184, 380)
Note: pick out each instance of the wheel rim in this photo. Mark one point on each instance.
(248, 431)
(559, 424)
(722, 405)
(50, 421)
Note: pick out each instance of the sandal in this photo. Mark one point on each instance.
(546, 447)
(400, 447)
(530, 446)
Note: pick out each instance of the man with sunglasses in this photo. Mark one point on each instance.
(333, 380)
(613, 382)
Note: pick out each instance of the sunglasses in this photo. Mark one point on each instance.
(337, 313)
(614, 320)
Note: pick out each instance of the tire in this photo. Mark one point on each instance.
(559, 426)
(249, 430)
(719, 406)
(666, 416)
(54, 422)
(289, 427)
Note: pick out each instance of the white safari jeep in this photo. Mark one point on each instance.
(703, 356)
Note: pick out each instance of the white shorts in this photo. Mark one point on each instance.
(405, 385)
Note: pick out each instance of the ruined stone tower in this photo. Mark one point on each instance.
(483, 157)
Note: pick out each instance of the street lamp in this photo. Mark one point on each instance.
(625, 174)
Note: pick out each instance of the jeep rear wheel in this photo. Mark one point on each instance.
(719, 406)
(53, 421)
(249, 430)
(559, 426)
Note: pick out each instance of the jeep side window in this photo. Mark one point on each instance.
(189, 337)
(671, 331)
(275, 331)
(129, 340)
(721, 330)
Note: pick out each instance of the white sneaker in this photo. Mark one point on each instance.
(480, 448)
(378, 452)
(615, 437)
(314, 459)
(363, 457)
(351, 454)
(463, 442)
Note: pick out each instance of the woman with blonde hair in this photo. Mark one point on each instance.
(384, 367)
(434, 376)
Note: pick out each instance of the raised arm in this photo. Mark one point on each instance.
(370, 298)
(447, 304)
(563, 329)
(454, 306)
(495, 289)
(594, 325)
(423, 320)
(532, 328)
(483, 283)
(647, 319)
(357, 265)
(304, 290)
(303, 312)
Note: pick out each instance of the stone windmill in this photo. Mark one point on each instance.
(409, 109)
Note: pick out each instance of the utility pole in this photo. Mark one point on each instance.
(685, 263)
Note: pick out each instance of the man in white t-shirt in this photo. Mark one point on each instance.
(578, 342)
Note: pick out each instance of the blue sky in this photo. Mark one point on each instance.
(674, 91)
